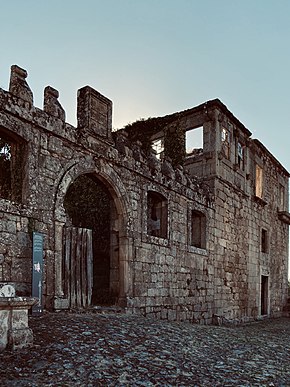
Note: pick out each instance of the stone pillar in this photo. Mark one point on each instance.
(14, 329)
(18, 85)
(125, 281)
(51, 104)
(94, 113)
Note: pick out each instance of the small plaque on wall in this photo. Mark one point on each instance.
(37, 270)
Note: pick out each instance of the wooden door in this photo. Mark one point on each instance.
(78, 266)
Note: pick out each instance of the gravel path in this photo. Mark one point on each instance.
(123, 350)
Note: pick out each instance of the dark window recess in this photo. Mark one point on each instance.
(198, 229)
(264, 241)
(157, 215)
(12, 168)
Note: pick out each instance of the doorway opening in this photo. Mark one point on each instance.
(264, 294)
(89, 206)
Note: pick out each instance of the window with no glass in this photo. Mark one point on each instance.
(157, 215)
(12, 167)
(198, 229)
(158, 146)
(226, 140)
(281, 197)
(240, 155)
(259, 182)
(194, 141)
(264, 241)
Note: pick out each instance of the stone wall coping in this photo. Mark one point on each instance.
(17, 302)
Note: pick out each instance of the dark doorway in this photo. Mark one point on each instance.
(89, 205)
(264, 295)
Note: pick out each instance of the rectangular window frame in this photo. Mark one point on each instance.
(241, 155)
(226, 141)
(259, 181)
(264, 247)
(157, 215)
(198, 230)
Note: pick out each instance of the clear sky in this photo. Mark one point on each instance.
(156, 57)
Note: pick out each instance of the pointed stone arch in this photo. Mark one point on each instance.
(108, 177)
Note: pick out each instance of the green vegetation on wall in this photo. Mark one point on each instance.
(5, 169)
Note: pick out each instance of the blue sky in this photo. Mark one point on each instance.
(155, 57)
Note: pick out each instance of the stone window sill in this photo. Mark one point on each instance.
(259, 200)
(197, 250)
(157, 240)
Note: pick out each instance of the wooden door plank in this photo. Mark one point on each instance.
(90, 265)
(84, 267)
(78, 267)
(73, 267)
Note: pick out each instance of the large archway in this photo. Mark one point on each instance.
(89, 206)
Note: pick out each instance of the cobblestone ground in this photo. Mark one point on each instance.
(124, 350)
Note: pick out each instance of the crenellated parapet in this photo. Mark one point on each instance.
(51, 104)
(18, 85)
(94, 113)
(93, 132)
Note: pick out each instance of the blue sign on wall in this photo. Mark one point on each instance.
(37, 270)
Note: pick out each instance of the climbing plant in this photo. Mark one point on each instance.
(5, 169)
(174, 135)
(174, 144)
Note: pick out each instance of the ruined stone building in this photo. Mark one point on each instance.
(129, 218)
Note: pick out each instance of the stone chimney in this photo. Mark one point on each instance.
(94, 112)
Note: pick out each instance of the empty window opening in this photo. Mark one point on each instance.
(240, 155)
(281, 197)
(157, 215)
(12, 168)
(264, 241)
(5, 169)
(226, 141)
(89, 205)
(158, 147)
(264, 294)
(194, 141)
(198, 229)
(259, 182)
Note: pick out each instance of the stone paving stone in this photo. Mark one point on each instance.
(123, 350)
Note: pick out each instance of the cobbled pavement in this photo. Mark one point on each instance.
(105, 349)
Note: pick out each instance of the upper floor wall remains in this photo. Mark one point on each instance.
(225, 149)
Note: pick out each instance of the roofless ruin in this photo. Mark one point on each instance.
(134, 219)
